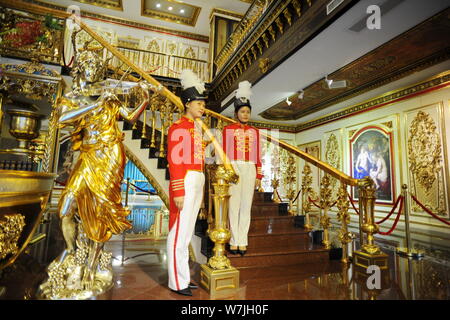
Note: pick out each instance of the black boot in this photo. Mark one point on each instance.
(185, 292)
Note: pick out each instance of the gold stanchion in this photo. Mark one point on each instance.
(275, 183)
(370, 253)
(218, 277)
(408, 251)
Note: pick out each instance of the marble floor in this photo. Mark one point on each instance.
(143, 276)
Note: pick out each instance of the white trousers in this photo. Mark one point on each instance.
(241, 202)
(182, 231)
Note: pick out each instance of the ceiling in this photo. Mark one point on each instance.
(194, 18)
(333, 49)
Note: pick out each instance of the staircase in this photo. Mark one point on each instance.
(272, 239)
(149, 157)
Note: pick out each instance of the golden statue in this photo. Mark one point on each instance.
(90, 206)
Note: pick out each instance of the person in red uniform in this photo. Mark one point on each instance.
(186, 161)
(242, 146)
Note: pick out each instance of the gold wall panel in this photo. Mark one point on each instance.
(425, 145)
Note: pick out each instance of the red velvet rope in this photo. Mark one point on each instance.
(278, 195)
(392, 211)
(353, 205)
(314, 203)
(429, 211)
(298, 193)
(396, 219)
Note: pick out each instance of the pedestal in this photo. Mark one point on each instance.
(219, 283)
(364, 260)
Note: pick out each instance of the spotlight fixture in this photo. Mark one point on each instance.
(301, 94)
(158, 5)
(288, 101)
(170, 8)
(182, 11)
(335, 84)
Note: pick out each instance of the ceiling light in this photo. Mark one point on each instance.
(301, 94)
(170, 8)
(335, 84)
(182, 11)
(288, 101)
(158, 5)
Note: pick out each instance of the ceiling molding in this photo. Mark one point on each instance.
(425, 45)
(24, 5)
(227, 13)
(171, 17)
(437, 82)
(108, 4)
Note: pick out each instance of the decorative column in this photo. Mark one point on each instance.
(218, 277)
(370, 253)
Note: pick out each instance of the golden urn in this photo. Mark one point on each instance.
(23, 198)
(24, 126)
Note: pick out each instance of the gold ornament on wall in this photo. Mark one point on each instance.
(263, 65)
(424, 148)
(333, 157)
(425, 162)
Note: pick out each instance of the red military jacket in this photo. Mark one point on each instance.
(186, 152)
(241, 142)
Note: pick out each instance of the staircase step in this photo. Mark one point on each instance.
(137, 134)
(254, 257)
(262, 196)
(268, 209)
(167, 174)
(280, 239)
(162, 163)
(271, 224)
(127, 126)
(153, 153)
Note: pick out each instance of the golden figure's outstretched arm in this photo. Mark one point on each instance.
(69, 114)
(133, 115)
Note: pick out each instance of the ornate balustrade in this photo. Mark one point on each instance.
(162, 64)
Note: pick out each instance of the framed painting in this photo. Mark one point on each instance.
(371, 154)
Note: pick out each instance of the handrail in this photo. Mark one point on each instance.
(302, 154)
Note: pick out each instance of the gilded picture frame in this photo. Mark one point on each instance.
(372, 154)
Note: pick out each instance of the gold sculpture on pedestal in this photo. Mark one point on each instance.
(90, 206)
